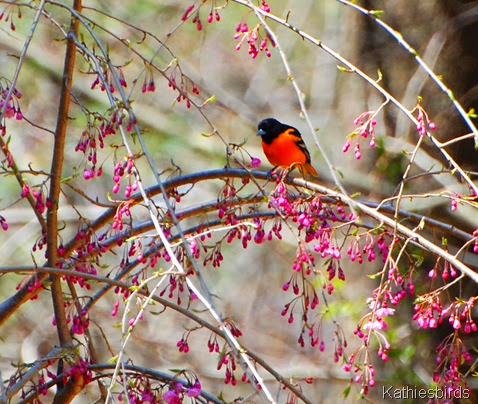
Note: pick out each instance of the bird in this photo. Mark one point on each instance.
(284, 147)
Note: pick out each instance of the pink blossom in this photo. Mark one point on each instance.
(172, 397)
(255, 162)
(195, 390)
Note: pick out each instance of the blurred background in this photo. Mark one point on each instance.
(247, 90)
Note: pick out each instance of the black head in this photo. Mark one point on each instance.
(270, 128)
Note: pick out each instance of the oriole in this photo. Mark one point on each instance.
(284, 147)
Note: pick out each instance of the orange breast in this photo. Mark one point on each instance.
(283, 151)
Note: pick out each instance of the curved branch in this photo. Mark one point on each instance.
(134, 369)
(8, 307)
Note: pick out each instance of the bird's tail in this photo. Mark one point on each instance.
(306, 168)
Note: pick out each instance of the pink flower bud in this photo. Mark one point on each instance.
(255, 162)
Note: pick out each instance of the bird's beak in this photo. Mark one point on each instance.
(261, 132)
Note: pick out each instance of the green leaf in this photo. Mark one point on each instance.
(444, 241)
(66, 179)
(419, 259)
(344, 69)
(421, 225)
(346, 392)
(376, 13)
(212, 98)
(113, 360)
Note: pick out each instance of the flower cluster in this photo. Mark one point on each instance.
(79, 323)
(183, 85)
(213, 344)
(106, 80)
(213, 14)
(122, 211)
(124, 167)
(3, 223)
(314, 218)
(429, 313)
(148, 85)
(86, 258)
(41, 201)
(177, 285)
(88, 145)
(177, 391)
(364, 373)
(423, 120)
(376, 321)
(454, 199)
(94, 136)
(7, 15)
(451, 356)
(12, 107)
(256, 41)
(34, 287)
(369, 248)
(447, 271)
(228, 360)
(140, 389)
(359, 361)
(77, 371)
(366, 128)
